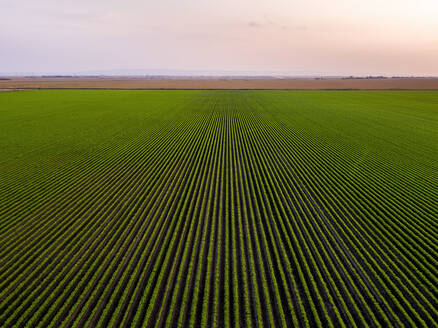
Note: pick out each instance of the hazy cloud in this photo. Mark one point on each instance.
(254, 24)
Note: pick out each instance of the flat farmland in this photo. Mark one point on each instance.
(213, 83)
(220, 208)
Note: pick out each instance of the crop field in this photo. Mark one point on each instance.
(226, 208)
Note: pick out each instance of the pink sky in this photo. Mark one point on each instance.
(337, 37)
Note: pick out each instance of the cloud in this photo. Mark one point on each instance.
(274, 24)
(254, 24)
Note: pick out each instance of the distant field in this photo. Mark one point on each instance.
(218, 208)
(218, 83)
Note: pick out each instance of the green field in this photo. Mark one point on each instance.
(219, 208)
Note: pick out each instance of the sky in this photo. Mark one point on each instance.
(290, 37)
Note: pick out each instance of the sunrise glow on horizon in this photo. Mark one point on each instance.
(338, 37)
